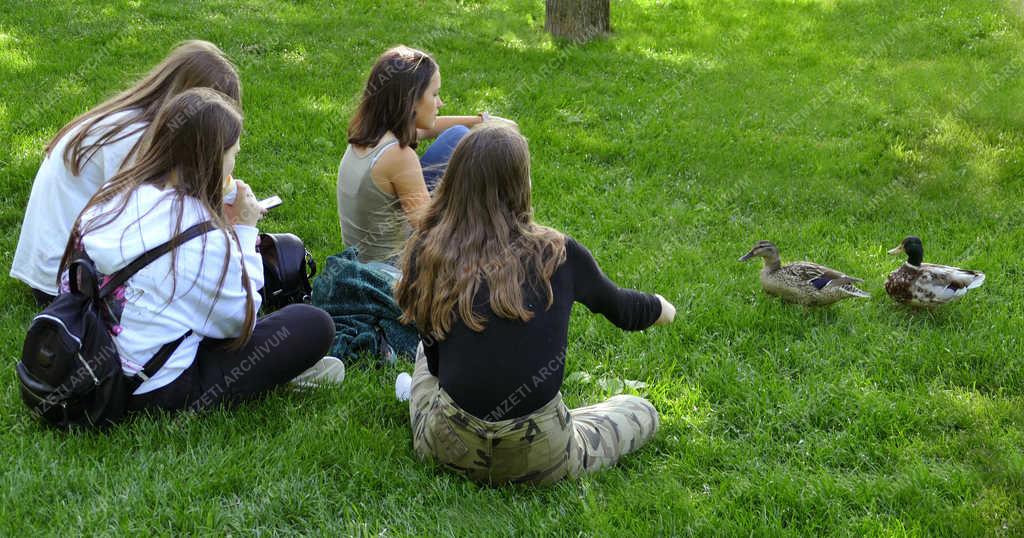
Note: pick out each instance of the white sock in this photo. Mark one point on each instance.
(403, 387)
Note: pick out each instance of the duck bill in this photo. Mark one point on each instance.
(746, 256)
(895, 251)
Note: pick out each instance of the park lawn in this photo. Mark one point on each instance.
(831, 127)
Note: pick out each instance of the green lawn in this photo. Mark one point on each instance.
(831, 127)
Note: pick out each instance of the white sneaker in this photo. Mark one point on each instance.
(328, 370)
(403, 387)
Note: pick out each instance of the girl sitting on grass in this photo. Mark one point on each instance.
(205, 287)
(90, 149)
(490, 292)
(381, 180)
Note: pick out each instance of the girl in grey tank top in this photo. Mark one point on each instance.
(371, 219)
(399, 106)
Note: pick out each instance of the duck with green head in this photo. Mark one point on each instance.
(805, 283)
(924, 284)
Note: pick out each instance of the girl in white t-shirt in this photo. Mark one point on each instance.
(87, 152)
(204, 288)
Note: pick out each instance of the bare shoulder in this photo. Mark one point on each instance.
(396, 158)
(396, 165)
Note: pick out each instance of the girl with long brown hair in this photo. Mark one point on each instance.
(204, 288)
(490, 292)
(381, 180)
(89, 150)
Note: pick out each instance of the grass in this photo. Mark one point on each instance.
(832, 127)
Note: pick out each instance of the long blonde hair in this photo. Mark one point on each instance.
(479, 227)
(182, 152)
(192, 64)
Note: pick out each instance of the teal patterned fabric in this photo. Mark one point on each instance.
(362, 305)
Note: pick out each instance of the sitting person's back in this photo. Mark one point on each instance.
(198, 298)
(161, 302)
(382, 183)
(371, 219)
(92, 148)
(514, 367)
(491, 293)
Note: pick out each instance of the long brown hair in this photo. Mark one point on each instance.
(397, 82)
(182, 152)
(479, 227)
(192, 64)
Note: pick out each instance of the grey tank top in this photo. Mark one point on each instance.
(371, 219)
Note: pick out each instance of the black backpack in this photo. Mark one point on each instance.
(70, 371)
(287, 269)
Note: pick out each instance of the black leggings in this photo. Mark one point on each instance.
(42, 298)
(283, 345)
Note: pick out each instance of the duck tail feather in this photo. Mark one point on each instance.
(844, 280)
(854, 291)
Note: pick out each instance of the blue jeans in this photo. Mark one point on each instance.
(435, 160)
(389, 268)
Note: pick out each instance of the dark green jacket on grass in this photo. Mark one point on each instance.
(362, 305)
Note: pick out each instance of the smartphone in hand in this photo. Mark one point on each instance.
(270, 203)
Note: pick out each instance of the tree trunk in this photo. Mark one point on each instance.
(578, 20)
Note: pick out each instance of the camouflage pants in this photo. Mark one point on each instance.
(543, 447)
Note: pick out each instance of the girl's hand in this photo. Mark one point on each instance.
(504, 120)
(246, 210)
(485, 117)
(668, 312)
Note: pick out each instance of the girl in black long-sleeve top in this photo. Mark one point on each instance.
(491, 293)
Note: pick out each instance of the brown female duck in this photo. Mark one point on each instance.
(805, 283)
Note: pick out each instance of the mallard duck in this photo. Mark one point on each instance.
(804, 283)
(925, 284)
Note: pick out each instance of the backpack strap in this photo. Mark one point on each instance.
(160, 358)
(151, 255)
(156, 363)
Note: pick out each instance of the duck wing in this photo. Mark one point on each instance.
(954, 278)
(934, 285)
(818, 275)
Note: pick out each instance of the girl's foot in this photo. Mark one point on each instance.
(403, 387)
(328, 370)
